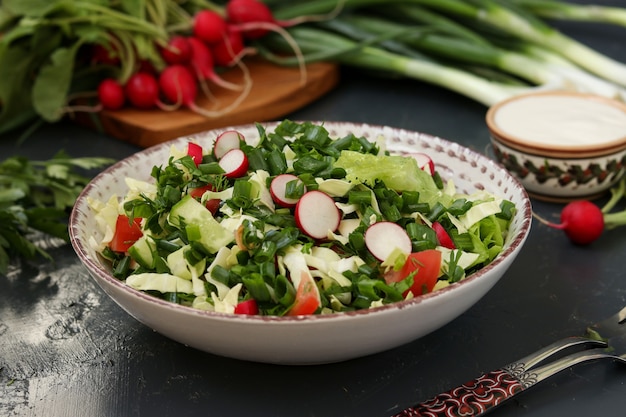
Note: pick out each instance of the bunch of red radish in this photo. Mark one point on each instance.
(191, 60)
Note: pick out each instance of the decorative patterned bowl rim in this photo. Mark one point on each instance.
(551, 150)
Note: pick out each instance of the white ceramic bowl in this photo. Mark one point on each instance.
(561, 145)
(310, 339)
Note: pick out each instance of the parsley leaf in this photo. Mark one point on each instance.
(38, 196)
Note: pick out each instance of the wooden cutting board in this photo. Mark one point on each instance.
(276, 91)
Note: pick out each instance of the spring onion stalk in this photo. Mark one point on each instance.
(536, 65)
(319, 44)
(553, 9)
(498, 15)
(578, 79)
(416, 13)
(535, 31)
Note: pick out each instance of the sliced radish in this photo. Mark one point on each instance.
(442, 235)
(278, 187)
(316, 214)
(424, 162)
(383, 238)
(226, 141)
(234, 163)
(195, 152)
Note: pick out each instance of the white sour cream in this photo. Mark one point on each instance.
(561, 120)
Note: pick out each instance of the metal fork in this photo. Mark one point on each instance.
(483, 394)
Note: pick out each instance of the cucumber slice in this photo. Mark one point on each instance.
(143, 251)
(192, 216)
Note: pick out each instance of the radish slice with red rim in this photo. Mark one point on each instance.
(278, 189)
(234, 163)
(383, 238)
(442, 236)
(226, 141)
(195, 152)
(316, 214)
(424, 162)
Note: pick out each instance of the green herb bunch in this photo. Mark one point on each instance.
(38, 196)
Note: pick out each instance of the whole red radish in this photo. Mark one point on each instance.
(245, 12)
(142, 90)
(229, 50)
(178, 85)
(203, 65)
(581, 220)
(111, 94)
(177, 51)
(209, 26)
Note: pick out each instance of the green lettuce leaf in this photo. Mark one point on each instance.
(399, 173)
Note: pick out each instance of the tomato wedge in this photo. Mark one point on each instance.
(248, 307)
(126, 233)
(425, 266)
(307, 297)
(213, 204)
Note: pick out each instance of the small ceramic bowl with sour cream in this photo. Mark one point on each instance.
(561, 145)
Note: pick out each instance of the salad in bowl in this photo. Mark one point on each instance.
(300, 242)
(295, 222)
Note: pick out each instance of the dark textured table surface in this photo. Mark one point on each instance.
(67, 350)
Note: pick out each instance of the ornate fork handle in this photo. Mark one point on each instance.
(491, 389)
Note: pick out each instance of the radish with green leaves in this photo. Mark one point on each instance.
(178, 85)
(584, 222)
(581, 220)
(317, 215)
